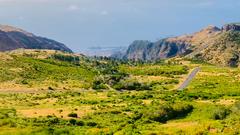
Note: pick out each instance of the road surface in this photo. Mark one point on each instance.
(189, 78)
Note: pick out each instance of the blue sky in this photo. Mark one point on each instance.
(85, 23)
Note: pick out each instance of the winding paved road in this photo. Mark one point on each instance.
(189, 78)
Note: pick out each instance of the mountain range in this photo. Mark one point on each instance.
(12, 38)
(215, 45)
(220, 46)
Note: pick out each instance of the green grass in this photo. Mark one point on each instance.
(155, 70)
(104, 96)
(31, 71)
(217, 81)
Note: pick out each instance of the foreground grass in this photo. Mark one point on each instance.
(136, 112)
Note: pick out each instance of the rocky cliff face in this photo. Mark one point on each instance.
(145, 50)
(12, 38)
(214, 45)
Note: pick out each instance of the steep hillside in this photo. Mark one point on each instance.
(211, 44)
(12, 38)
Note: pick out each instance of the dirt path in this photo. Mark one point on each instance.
(189, 78)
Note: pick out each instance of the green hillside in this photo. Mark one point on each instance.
(31, 71)
(49, 92)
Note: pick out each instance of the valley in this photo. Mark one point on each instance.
(119, 67)
(51, 92)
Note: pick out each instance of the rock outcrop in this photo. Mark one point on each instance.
(231, 27)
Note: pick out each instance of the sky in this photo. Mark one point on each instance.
(81, 24)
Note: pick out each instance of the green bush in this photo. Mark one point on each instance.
(80, 123)
(55, 131)
(166, 112)
(91, 124)
(73, 115)
(98, 85)
(67, 58)
(220, 113)
(73, 121)
(7, 113)
(131, 85)
(236, 108)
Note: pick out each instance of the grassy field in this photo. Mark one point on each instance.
(44, 92)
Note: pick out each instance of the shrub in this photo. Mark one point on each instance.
(91, 124)
(80, 123)
(73, 115)
(180, 109)
(161, 114)
(131, 85)
(52, 120)
(167, 112)
(67, 58)
(220, 113)
(73, 121)
(236, 108)
(50, 88)
(24, 81)
(54, 131)
(7, 113)
(97, 85)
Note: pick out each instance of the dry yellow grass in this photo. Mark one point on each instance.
(147, 102)
(180, 125)
(226, 102)
(145, 79)
(14, 87)
(212, 74)
(38, 53)
(58, 112)
(5, 57)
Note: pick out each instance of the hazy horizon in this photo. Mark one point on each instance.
(81, 24)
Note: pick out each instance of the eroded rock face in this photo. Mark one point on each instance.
(12, 38)
(211, 44)
(145, 50)
(231, 27)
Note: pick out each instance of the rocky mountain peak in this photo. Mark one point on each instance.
(211, 29)
(7, 28)
(231, 27)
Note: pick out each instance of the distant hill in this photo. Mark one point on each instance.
(212, 44)
(12, 38)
